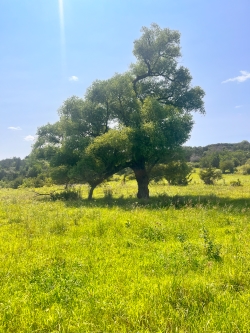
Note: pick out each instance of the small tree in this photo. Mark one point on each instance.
(210, 175)
(227, 165)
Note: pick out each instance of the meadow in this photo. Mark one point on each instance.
(178, 262)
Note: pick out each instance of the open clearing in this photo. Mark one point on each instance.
(179, 262)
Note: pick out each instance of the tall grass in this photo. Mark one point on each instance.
(179, 262)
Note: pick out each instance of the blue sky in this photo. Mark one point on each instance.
(53, 49)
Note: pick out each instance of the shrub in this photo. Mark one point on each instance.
(246, 169)
(227, 166)
(16, 182)
(210, 175)
(212, 250)
(176, 173)
(68, 194)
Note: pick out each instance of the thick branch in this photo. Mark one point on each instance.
(138, 78)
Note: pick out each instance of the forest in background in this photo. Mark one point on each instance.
(228, 157)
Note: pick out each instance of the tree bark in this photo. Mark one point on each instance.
(91, 190)
(142, 179)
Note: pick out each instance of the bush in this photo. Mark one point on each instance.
(16, 182)
(36, 182)
(69, 194)
(210, 175)
(212, 250)
(246, 169)
(227, 166)
(176, 173)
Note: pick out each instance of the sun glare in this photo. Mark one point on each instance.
(63, 53)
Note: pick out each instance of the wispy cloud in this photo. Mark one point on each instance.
(30, 138)
(73, 78)
(241, 78)
(238, 106)
(15, 128)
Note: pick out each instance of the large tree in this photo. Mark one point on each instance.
(137, 119)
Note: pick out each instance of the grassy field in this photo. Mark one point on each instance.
(179, 262)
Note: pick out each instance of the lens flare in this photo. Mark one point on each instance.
(63, 52)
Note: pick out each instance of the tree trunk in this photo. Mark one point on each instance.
(91, 190)
(142, 182)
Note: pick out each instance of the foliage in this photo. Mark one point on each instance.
(216, 154)
(137, 119)
(68, 194)
(246, 169)
(36, 182)
(210, 160)
(212, 250)
(178, 173)
(175, 172)
(29, 172)
(227, 166)
(194, 158)
(210, 175)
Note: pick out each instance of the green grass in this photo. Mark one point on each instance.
(179, 262)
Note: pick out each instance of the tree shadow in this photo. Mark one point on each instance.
(164, 201)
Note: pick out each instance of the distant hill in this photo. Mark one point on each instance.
(243, 145)
(217, 147)
(212, 155)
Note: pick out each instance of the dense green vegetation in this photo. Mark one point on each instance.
(137, 120)
(178, 262)
(229, 158)
(29, 172)
(224, 156)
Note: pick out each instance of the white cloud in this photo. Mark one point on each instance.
(238, 106)
(15, 128)
(241, 78)
(30, 138)
(73, 78)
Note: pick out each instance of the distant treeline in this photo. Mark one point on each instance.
(228, 157)
(224, 156)
(28, 172)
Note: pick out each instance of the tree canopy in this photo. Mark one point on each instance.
(137, 119)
